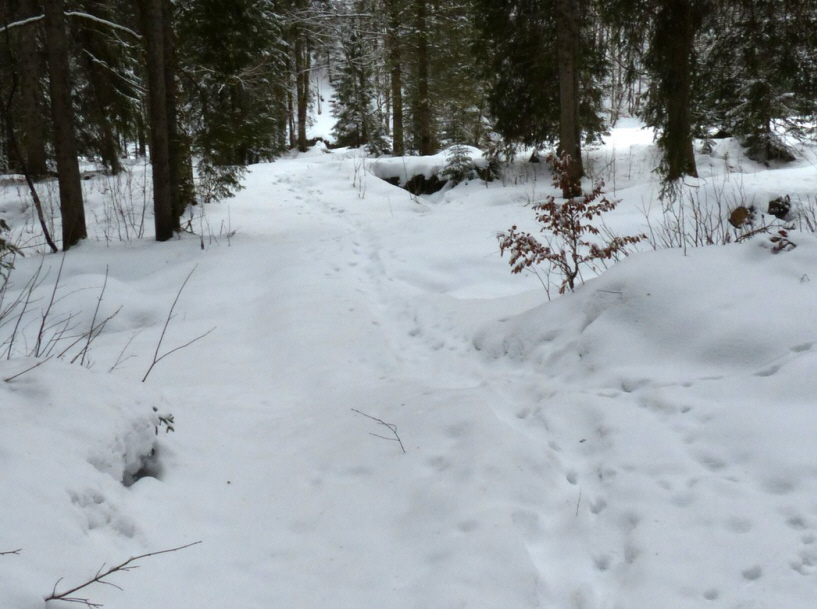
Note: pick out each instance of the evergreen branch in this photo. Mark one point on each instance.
(110, 24)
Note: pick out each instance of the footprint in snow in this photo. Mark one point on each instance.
(753, 573)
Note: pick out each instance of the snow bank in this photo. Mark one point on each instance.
(70, 440)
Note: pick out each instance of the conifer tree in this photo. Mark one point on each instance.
(354, 91)
(233, 57)
(759, 63)
(520, 47)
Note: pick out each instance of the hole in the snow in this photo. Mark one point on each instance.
(150, 466)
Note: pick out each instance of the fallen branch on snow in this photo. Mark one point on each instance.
(99, 578)
(392, 428)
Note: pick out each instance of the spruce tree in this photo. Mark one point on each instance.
(518, 54)
(354, 92)
(759, 62)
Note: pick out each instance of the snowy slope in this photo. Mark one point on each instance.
(645, 442)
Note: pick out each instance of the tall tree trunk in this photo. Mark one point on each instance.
(301, 84)
(423, 102)
(152, 17)
(32, 123)
(182, 189)
(108, 148)
(291, 104)
(567, 15)
(396, 74)
(141, 136)
(65, 143)
(677, 30)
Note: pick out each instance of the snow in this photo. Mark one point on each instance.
(647, 441)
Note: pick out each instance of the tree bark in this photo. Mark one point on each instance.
(677, 30)
(567, 15)
(152, 17)
(290, 114)
(65, 143)
(301, 84)
(182, 190)
(32, 122)
(396, 76)
(423, 112)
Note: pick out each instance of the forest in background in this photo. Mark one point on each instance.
(208, 87)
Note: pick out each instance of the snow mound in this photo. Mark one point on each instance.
(748, 307)
(83, 445)
(404, 168)
(685, 385)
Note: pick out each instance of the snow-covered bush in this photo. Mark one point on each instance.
(569, 234)
(459, 165)
(218, 182)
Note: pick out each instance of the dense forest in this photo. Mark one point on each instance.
(208, 87)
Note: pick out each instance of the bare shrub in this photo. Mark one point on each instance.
(572, 241)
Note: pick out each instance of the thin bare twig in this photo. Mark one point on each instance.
(15, 552)
(158, 358)
(119, 359)
(100, 576)
(28, 290)
(29, 369)
(93, 319)
(38, 345)
(391, 427)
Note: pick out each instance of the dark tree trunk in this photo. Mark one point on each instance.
(182, 190)
(677, 30)
(291, 105)
(152, 17)
(423, 112)
(396, 75)
(30, 96)
(141, 136)
(301, 84)
(65, 143)
(108, 148)
(567, 15)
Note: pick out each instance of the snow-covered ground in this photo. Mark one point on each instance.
(648, 441)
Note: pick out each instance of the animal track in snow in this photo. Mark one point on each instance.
(602, 562)
(100, 513)
(752, 573)
(806, 562)
(737, 524)
(711, 462)
(778, 486)
(771, 370)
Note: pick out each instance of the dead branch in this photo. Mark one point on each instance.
(26, 300)
(29, 369)
(15, 552)
(391, 427)
(158, 358)
(119, 359)
(99, 578)
(93, 320)
(40, 335)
